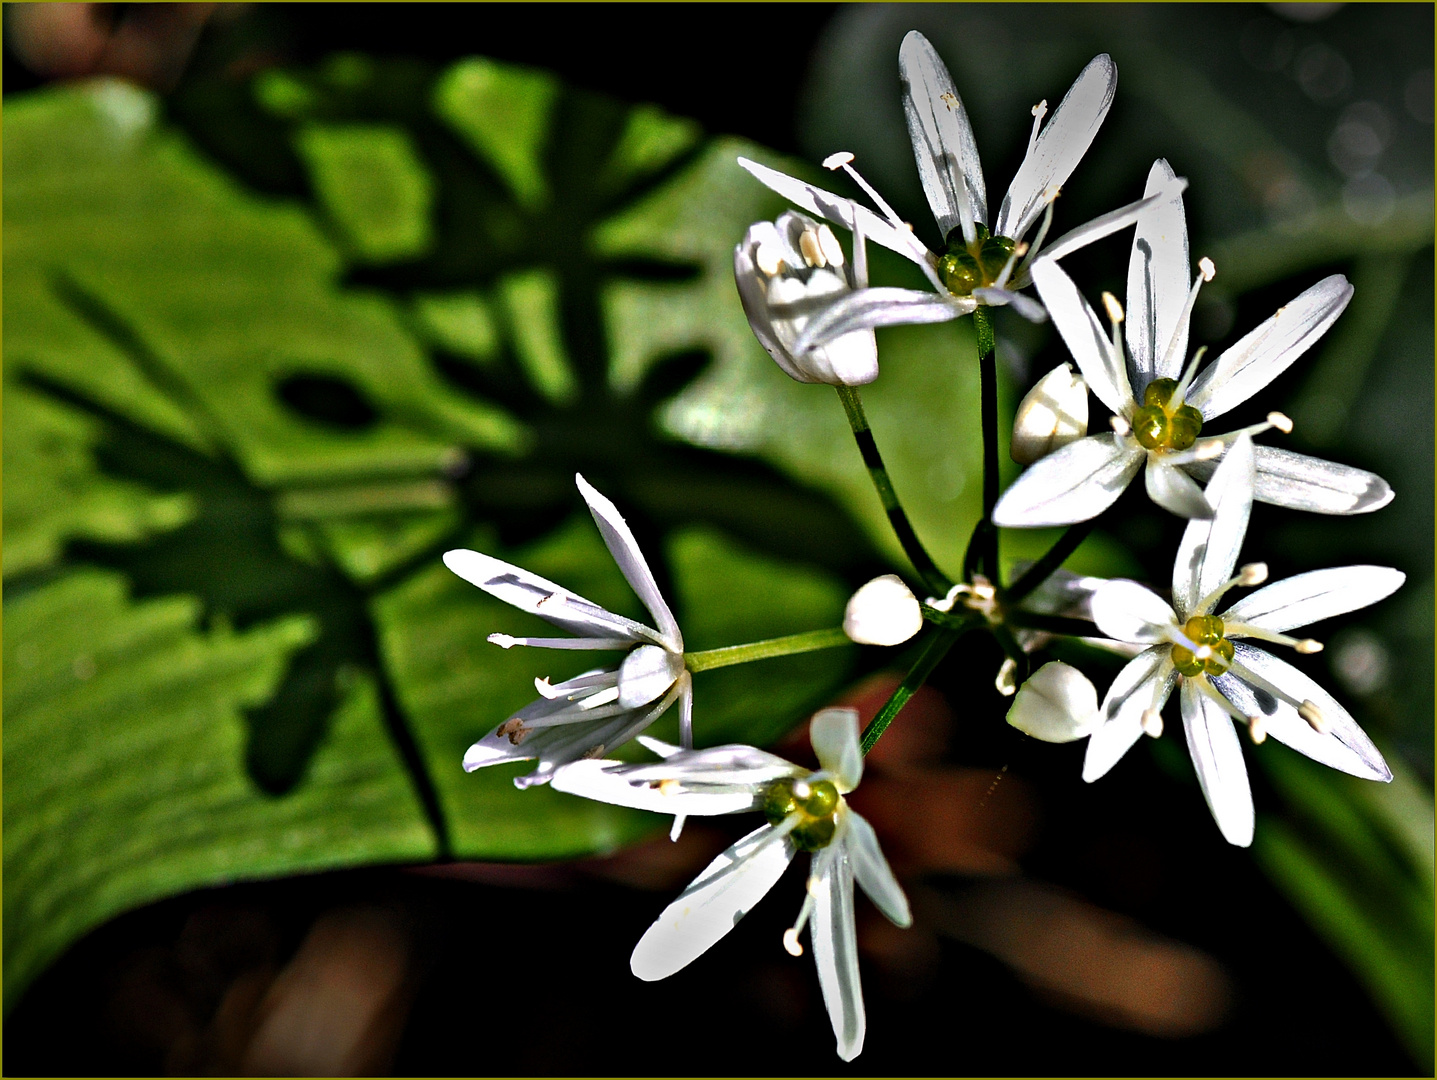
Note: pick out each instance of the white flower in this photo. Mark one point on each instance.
(1222, 676)
(600, 709)
(1160, 409)
(883, 612)
(1056, 703)
(1050, 416)
(806, 811)
(974, 266)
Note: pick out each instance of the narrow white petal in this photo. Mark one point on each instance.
(1057, 704)
(1127, 611)
(597, 780)
(1059, 147)
(1109, 223)
(539, 596)
(1175, 491)
(1217, 756)
(839, 211)
(942, 138)
(1075, 483)
(1084, 335)
(646, 673)
(625, 550)
(873, 872)
(1300, 482)
(1314, 596)
(882, 306)
(1209, 549)
(1158, 273)
(732, 765)
(713, 904)
(1131, 694)
(1269, 350)
(658, 746)
(835, 950)
(834, 734)
(1343, 746)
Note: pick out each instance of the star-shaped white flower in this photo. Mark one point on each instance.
(806, 811)
(600, 709)
(1222, 677)
(975, 266)
(1159, 409)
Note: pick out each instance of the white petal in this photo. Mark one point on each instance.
(1085, 337)
(883, 612)
(1209, 549)
(872, 870)
(1059, 147)
(1175, 491)
(1075, 483)
(1109, 223)
(1130, 695)
(1314, 596)
(713, 904)
(1127, 611)
(834, 734)
(1158, 273)
(835, 950)
(1217, 756)
(1307, 483)
(1057, 704)
(625, 550)
(596, 780)
(868, 308)
(646, 673)
(839, 211)
(1344, 746)
(1051, 415)
(1269, 350)
(942, 138)
(539, 596)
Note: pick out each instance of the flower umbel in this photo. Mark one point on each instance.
(806, 811)
(600, 709)
(1159, 407)
(1223, 677)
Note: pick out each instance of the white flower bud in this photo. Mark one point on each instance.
(883, 612)
(1053, 414)
(1057, 704)
(788, 272)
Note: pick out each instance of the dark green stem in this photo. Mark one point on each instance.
(933, 578)
(1053, 558)
(937, 649)
(1052, 624)
(987, 553)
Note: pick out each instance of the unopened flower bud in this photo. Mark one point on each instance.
(883, 612)
(1056, 704)
(1051, 415)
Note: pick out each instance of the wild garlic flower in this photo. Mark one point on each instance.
(976, 266)
(1222, 677)
(806, 811)
(601, 709)
(1159, 409)
(1050, 416)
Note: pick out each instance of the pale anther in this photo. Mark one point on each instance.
(1253, 573)
(1115, 309)
(1152, 722)
(1005, 683)
(546, 690)
(1041, 109)
(808, 245)
(1313, 715)
(813, 886)
(1308, 646)
(1121, 426)
(828, 244)
(838, 160)
(1280, 421)
(768, 258)
(668, 786)
(1209, 271)
(1051, 193)
(790, 942)
(504, 641)
(594, 752)
(1256, 728)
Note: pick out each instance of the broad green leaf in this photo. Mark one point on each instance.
(124, 765)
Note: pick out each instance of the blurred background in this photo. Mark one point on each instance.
(298, 296)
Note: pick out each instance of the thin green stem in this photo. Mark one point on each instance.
(1053, 558)
(937, 649)
(933, 578)
(1053, 624)
(809, 641)
(987, 554)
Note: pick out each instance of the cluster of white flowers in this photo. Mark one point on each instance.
(812, 308)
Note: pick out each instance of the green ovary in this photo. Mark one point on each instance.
(967, 267)
(817, 801)
(1203, 630)
(1157, 425)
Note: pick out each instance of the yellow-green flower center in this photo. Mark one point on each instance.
(1203, 630)
(966, 267)
(817, 801)
(1158, 425)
